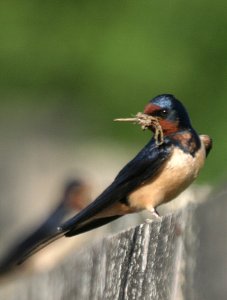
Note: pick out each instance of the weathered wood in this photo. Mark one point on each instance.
(146, 262)
(210, 270)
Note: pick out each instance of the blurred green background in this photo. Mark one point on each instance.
(69, 67)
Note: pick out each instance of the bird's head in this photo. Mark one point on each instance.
(170, 112)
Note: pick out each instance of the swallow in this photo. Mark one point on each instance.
(157, 174)
(74, 198)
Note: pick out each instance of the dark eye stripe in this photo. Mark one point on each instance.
(163, 113)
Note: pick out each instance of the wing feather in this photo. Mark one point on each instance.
(146, 165)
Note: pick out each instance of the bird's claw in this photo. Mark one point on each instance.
(155, 214)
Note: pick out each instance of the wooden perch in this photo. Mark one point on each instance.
(146, 262)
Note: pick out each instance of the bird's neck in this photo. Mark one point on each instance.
(169, 127)
(186, 139)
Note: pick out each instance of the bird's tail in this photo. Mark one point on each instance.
(74, 198)
(91, 217)
(89, 225)
(21, 252)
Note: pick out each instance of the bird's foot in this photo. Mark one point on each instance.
(154, 214)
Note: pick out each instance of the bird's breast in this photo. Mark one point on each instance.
(176, 175)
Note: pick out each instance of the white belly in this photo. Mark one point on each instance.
(179, 172)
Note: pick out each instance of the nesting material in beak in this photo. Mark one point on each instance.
(146, 121)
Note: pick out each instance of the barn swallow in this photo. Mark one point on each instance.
(157, 174)
(74, 198)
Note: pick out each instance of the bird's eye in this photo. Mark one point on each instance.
(163, 113)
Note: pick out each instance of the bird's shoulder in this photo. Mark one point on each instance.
(187, 140)
(152, 155)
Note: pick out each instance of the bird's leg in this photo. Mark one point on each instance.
(154, 214)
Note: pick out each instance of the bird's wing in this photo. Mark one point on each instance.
(146, 165)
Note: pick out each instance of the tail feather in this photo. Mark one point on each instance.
(94, 223)
(18, 257)
(74, 198)
(20, 253)
(39, 246)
